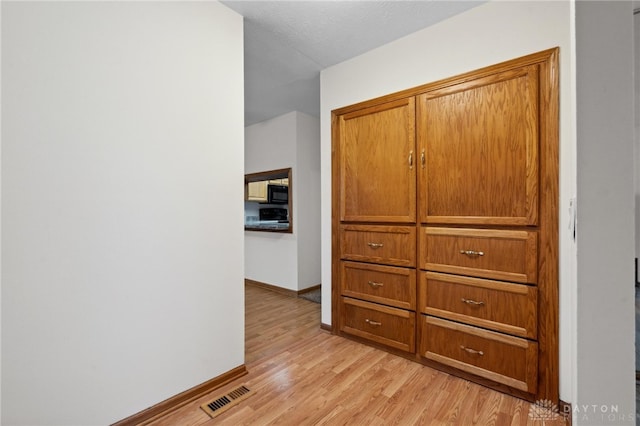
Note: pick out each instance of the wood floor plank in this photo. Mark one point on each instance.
(302, 375)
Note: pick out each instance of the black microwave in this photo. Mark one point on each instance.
(277, 194)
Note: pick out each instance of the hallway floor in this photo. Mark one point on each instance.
(302, 375)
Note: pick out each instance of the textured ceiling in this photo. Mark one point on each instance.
(287, 43)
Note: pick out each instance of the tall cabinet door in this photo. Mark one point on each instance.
(378, 163)
(478, 143)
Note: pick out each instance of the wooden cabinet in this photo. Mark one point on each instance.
(381, 324)
(377, 300)
(377, 163)
(510, 255)
(504, 359)
(447, 193)
(377, 182)
(389, 245)
(496, 305)
(387, 285)
(257, 191)
(479, 143)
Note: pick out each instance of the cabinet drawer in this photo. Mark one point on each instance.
(388, 285)
(486, 253)
(506, 307)
(389, 326)
(504, 359)
(391, 245)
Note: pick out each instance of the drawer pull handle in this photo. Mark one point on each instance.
(375, 245)
(472, 252)
(471, 302)
(410, 159)
(471, 351)
(375, 284)
(372, 322)
(422, 158)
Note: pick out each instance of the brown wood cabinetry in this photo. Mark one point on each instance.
(479, 141)
(489, 253)
(256, 191)
(377, 183)
(387, 285)
(445, 242)
(377, 163)
(389, 245)
(496, 305)
(505, 359)
(382, 324)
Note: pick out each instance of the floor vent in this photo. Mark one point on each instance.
(223, 403)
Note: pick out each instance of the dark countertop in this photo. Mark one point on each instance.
(267, 225)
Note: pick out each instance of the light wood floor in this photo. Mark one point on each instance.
(301, 375)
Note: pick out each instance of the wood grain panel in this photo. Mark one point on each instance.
(390, 245)
(336, 214)
(377, 167)
(509, 255)
(500, 306)
(538, 58)
(498, 357)
(479, 139)
(388, 285)
(388, 326)
(548, 312)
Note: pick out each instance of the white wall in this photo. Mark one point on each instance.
(307, 190)
(488, 34)
(605, 296)
(272, 257)
(121, 280)
(290, 261)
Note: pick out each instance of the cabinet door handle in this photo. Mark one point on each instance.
(411, 159)
(372, 322)
(471, 302)
(471, 351)
(422, 160)
(375, 245)
(472, 252)
(375, 284)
